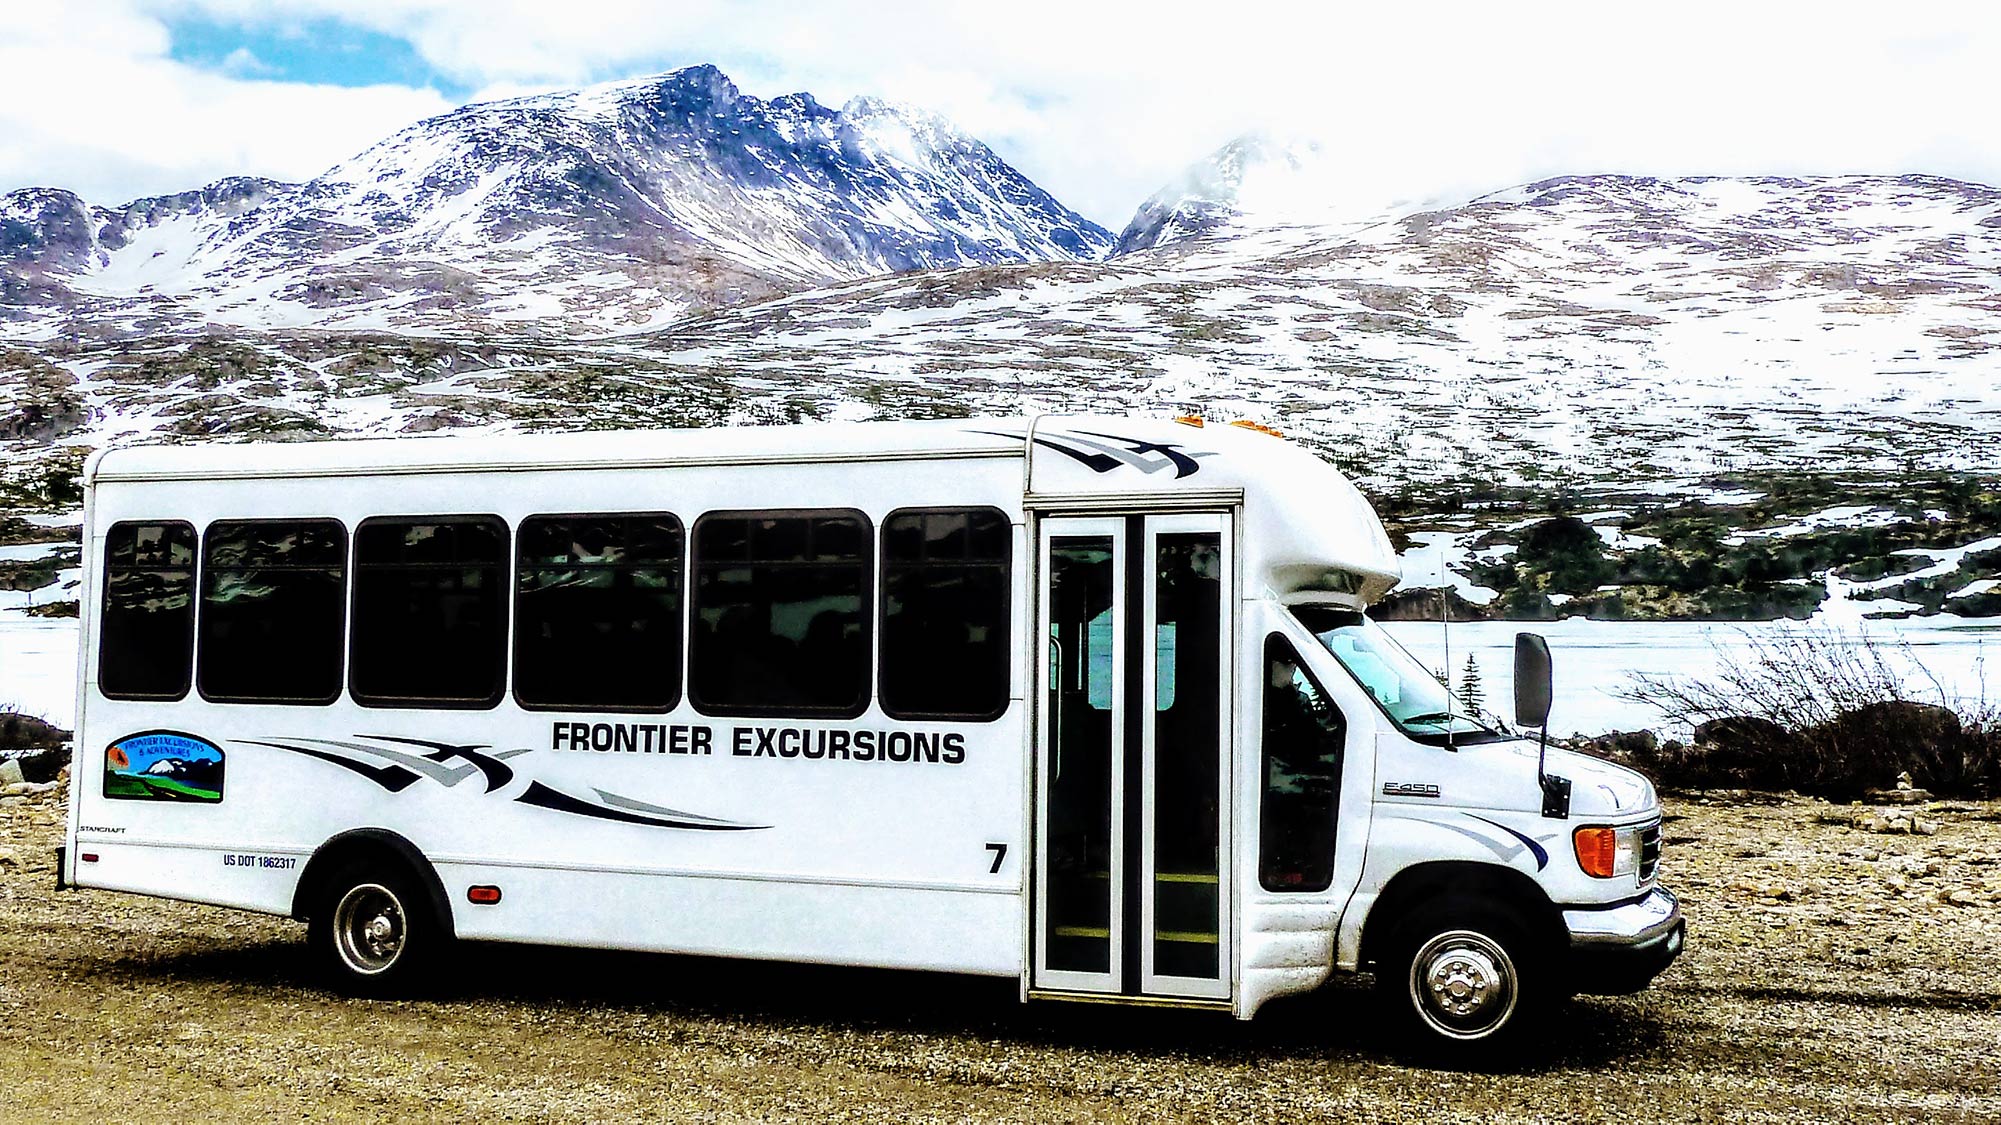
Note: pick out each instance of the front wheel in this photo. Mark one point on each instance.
(1465, 982)
(372, 930)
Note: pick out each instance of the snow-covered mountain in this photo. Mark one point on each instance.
(672, 253)
(577, 213)
(1252, 173)
(1603, 328)
(1588, 329)
(761, 259)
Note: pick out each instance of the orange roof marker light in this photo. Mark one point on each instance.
(1260, 427)
(1194, 420)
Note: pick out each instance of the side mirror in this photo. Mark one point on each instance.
(1532, 680)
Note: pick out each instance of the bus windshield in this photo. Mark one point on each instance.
(1408, 693)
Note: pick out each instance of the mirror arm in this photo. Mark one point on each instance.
(1555, 790)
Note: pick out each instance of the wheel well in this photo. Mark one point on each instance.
(374, 848)
(1429, 882)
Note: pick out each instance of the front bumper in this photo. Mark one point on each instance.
(1622, 948)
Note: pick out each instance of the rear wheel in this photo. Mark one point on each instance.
(372, 930)
(1464, 982)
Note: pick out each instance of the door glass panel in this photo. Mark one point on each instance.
(1082, 582)
(1188, 753)
(1100, 675)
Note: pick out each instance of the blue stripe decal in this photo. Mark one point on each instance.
(1541, 856)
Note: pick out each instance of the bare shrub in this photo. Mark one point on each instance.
(1824, 712)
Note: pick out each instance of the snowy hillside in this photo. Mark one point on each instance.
(1602, 328)
(586, 212)
(1595, 328)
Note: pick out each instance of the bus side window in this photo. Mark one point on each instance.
(1303, 737)
(430, 612)
(146, 639)
(945, 625)
(780, 622)
(273, 603)
(597, 609)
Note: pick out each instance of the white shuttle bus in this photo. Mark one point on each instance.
(1087, 702)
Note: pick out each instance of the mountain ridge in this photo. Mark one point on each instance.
(578, 212)
(1602, 327)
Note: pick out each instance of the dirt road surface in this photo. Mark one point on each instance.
(1832, 975)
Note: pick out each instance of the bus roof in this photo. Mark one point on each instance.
(428, 453)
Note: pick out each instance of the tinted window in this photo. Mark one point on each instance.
(146, 639)
(430, 611)
(780, 624)
(945, 613)
(598, 612)
(273, 596)
(1303, 736)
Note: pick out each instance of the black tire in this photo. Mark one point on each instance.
(374, 930)
(1464, 982)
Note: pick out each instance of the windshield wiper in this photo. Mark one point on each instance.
(1431, 717)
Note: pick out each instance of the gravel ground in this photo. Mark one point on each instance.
(1829, 977)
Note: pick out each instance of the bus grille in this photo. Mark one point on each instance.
(1650, 851)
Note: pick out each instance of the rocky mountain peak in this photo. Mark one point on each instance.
(702, 85)
(45, 230)
(609, 208)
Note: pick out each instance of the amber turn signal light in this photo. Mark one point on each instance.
(1597, 850)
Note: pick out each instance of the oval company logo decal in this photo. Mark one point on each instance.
(163, 765)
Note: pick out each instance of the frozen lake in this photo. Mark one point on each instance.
(38, 667)
(1594, 659)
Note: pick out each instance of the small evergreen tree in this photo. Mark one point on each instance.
(1472, 695)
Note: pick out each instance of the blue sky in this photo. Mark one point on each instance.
(318, 51)
(1101, 103)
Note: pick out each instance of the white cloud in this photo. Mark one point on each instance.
(244, 62)
(89, 101)
(1102, 103)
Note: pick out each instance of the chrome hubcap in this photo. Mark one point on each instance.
(1463, 984)
(369, 929)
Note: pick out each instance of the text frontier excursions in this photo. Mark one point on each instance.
(828, 744)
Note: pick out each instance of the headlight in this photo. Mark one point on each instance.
(1607, 852)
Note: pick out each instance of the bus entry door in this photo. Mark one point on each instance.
(1132, 763)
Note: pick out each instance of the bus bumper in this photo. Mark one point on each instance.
(1622, 949)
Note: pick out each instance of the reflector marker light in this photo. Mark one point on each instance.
(483, 895)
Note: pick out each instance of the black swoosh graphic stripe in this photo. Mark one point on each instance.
(393, 778)
(1183, 463)
(438, 771)
(498, 773)
(1096, 462)
(541, 796)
